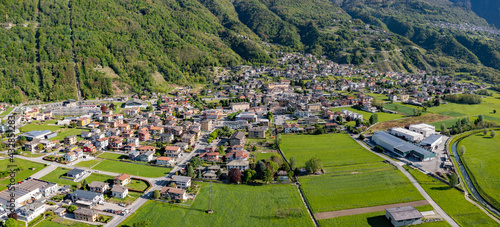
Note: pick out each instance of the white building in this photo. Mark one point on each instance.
(181, 181)
(242, 165)
(31, 211)
(423, 129)
(406, 134)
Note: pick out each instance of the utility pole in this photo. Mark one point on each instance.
(210, 205)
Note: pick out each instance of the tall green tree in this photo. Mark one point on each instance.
(314, 165)
(374, 119)
(293, 163)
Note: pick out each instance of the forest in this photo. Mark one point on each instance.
(111, 46)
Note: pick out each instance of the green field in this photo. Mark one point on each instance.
(55, 174)
(132, 169)
(401, 108)
(7, 111)
(453, 202)
(33, 127)
(366, 115)
(113, 156)
(359, 188)
(68, 132)
(25, 173)
(377, 219)
(485, 108)
(260, 155)
(233, 205)
(88, 164)
(333, 149)
(137, 185)
(482, 159)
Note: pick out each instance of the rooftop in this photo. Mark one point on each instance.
(404, 213)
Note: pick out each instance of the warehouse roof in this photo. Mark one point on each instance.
(430, 140)
(403, 146)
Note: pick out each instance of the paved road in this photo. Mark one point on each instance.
(470, 185)
(436, 207)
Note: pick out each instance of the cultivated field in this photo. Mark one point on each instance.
(233, 205)
(23, 174)
(482, 159)
(333, 149)
(453, 202)
(132, 169)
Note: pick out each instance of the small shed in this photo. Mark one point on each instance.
(402, 216)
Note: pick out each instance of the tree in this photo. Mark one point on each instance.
(273, 166)
(285, 166)
(494, 111)
(173, 185)
(485, 131)
(71, 208)
(39, 146)
(268, 175)
(144, 223)
(374, 119)
(196, 161)
(84, 185)
(234, 175)
(358, 122)
(249, 175)
(276, 158)
(156, 194)
(443, 127)
(149, 108)
(362, 137)
(260, 167)
(493, 133)
(293, 163)
(453, 180)
(104, 108)
(11, 222)
(314, 165)
(219, 173)
(480, 118)
(190, 171)
(461, 150)
(222, 150)
(112, 106)
(254, 148)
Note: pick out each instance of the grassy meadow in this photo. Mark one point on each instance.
(233, 205)
(23, 174)
(132, 169)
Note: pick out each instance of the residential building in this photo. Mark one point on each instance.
(143, 135)
(146, 156)
(122, 179)
(76, 173)
(87, 197)
(166, 138)
(207, 125)
(238, 138)
(86, 214)
(210, 156)
(97, 186)
(239, 106)
(172, 151)
(164, 161)
(174, 193)
(30, 211)
(119, 191)
(70, 140)
(242, 165)
(257, 132)
(189, 139)
(181, 181)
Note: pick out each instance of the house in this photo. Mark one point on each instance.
(70, 140)
(89, 148)
(239, 106)
(207, 125)
(61, 211)
(86, 215)
(134, 140)
(30, 211)
(257, 132)
(146, 156)
(87, 197)
(174, 193)
(181, 181)
(188, 138)
(32, 145)
(402, 216)
(238, 138)
(164, 161)
(237, 155)
(143, 135)
(166, 138)
(70, 148)
(102, 143)
(119, 191)
(97, 186)
(70, 156)
(172, 151)
(122, 179)
(83, 121)
(76, 173)
(242, 165)
(133, 154)
(210, 156)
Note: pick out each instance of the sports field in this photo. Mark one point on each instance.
(482, 159)
(233, 205)
(453, 202)
(26, 170)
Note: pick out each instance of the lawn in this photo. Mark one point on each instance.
(88, 164)
(359, 188)
(33, 127)
(333, 149)
(482, 159)
(233, 205)
(137, 185)
(55, 174)
(262, 155)
(7, 111)
(25, 173)
(453, 202)
(68, 132)
(113, 156)
(132, 169)
(366, 115)
(132, 196)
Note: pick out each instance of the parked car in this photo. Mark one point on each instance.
(122, 205)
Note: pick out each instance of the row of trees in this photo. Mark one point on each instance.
(464, 98)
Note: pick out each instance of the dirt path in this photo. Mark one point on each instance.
(339, 213)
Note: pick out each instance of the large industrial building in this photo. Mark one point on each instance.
(406, 134)
(432, 142)
(423, 129)
(401, 147)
